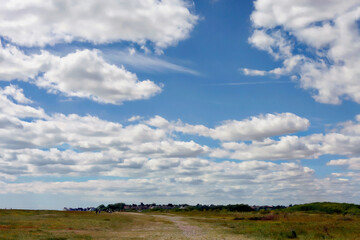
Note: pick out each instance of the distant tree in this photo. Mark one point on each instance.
(116, 207)
(102, 207)
(239, 208)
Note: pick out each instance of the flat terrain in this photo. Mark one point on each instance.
(59, 225)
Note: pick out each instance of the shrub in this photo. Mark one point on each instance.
(327, 207)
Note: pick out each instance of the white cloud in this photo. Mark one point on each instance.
(145, 62)
(255, 128)
(253, 72)
(86, 133)
(157, 137)
(262, 40)
(117, 146)
(327, 29)
(39, 22)
(225, 182)
(297, 15)
(341, 141)
(16, 93)
(11, 109)
(86, 74)
(134, 118)
(159, 122)
(158, 164)
(82, 74)
(273, 42)
(288, 147)
(195, 176)
(15, 64)
(351, 163)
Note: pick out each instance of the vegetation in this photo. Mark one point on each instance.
(326, 207)
(116, 207)
(231, 208)
(61, 225)
(304, 222)
(279, 225)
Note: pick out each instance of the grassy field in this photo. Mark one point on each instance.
(281, 225)
(56, 225)
(59, 225)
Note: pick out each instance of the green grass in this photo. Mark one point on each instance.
(25, 224)
(326, 207)
(279, 225)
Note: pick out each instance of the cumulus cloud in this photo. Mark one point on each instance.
(343, 140)
(157, 138)
(82, 74)
(11, 109)
(288, 147)
(214, 179)
(351, 163)
(16, 93)
(15, 64)
(84, 133)
(39, 23)
(134, 118)
(327, 29)
(86, 74)
(225, 182)
(149, 155)
(255, 128)
(152, 144)
(261, 130)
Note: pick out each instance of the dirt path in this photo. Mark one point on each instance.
(188, 230)
(170, 226)
(192, 231)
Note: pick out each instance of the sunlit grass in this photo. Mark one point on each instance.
(25, 224)
(282, 225)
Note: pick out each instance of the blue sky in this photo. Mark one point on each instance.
(177, 101)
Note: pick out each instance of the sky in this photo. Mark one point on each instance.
(179, 101)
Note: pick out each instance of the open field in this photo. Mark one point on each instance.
(280, 224)
(59, 225)
(56, 225)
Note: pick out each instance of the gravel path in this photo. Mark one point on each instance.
(191, 231)
(188, 230)
(182, 228)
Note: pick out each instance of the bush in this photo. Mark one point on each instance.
(327, 207)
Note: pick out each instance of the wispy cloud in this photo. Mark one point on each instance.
(251, 83)
(145, 62)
